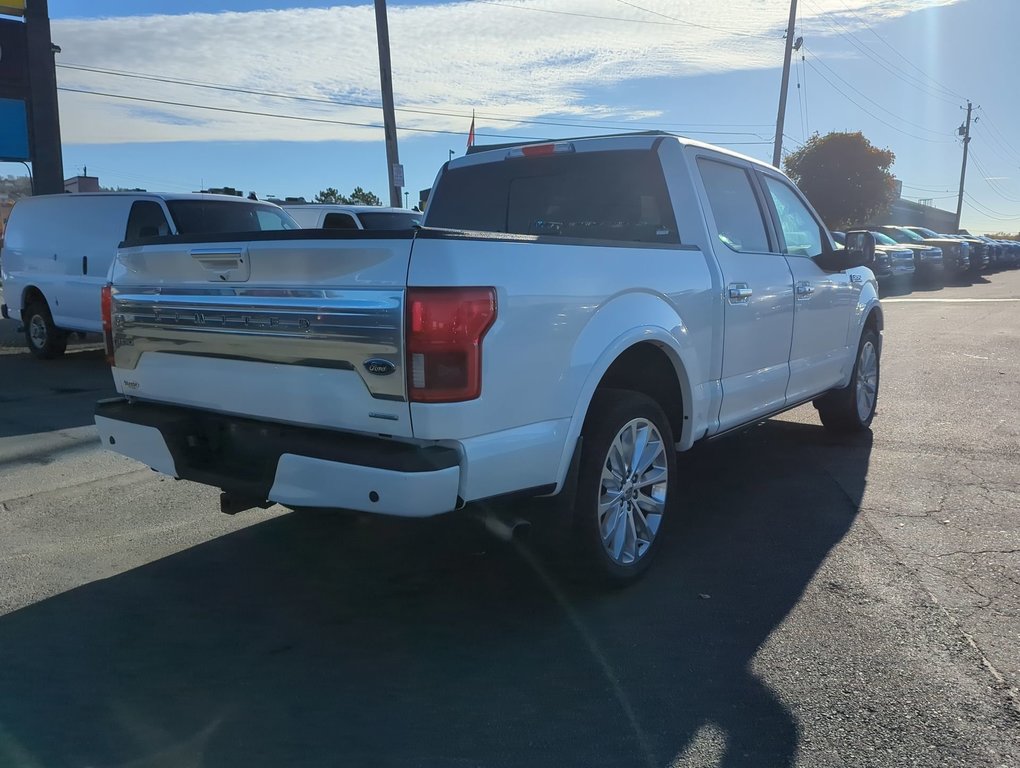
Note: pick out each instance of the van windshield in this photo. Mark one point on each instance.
(213, 217)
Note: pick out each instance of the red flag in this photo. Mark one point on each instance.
(471, 133)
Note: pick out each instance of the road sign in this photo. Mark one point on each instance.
(12, 7)
(398, 175)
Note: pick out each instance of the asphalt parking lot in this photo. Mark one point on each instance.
(821, 603)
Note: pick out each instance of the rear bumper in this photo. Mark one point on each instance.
(295, 466)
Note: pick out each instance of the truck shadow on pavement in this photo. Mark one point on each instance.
(47, 395)
(314, 641)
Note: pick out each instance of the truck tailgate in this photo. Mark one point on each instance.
(306, 329)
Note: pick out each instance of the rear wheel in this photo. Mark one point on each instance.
(852, 408)
(628, 461)
(44, 339)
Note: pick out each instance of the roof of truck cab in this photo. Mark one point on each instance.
(651, 136)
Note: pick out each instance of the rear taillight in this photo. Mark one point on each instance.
(106, 309)
(445, 327)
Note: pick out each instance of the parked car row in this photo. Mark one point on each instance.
(909, 255)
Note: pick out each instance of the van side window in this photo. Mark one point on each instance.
(146, 220)
(339, 221)
(738, 217)
(801, 231)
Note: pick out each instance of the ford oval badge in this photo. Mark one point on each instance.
(379, 367)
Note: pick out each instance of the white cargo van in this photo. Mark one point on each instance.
(334, 216)
(58, 250)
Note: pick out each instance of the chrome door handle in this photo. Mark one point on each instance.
(805, 289)
(740, 292)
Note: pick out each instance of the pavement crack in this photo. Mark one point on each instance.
(980, 552)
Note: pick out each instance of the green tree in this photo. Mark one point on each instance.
(360, 197)
(845, 177)
(330, 195)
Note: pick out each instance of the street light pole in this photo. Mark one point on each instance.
(382, 32)
(777, 149)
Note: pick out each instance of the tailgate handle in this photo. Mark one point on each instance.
(224, 264)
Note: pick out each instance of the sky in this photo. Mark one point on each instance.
(281, 97)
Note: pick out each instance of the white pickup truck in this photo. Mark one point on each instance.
(571, 315)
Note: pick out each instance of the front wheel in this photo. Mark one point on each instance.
(628, 461)
(852, 408)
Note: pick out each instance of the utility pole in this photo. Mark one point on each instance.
(393, 167)
(777, 149)
(965, 130)
(44, 115)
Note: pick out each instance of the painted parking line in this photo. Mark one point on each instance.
(947, 301)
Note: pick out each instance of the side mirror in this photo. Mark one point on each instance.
(860, 249)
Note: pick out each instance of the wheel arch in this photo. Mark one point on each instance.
(620, 367)
(29, 294)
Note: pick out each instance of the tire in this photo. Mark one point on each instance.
(852, 408)
(617, 547)
(43, 338)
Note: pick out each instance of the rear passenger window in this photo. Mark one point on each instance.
(738, 216)
(146, 220)
(339, 221)
(609, 196)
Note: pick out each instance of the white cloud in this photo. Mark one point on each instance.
(520, 61)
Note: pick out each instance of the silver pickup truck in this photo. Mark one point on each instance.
(572, 315)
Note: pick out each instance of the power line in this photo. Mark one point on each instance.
(800, 102)
(327, 121)
(995, 128)
(926, 189)
(999, 139)
(872, 114)
(990, 213)
(942, 86)
(851, 37)
(865, 96)
(987, 178)
(687, 23)
(285, 117)
(803, 69)
(574, 13)
(409, 110)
